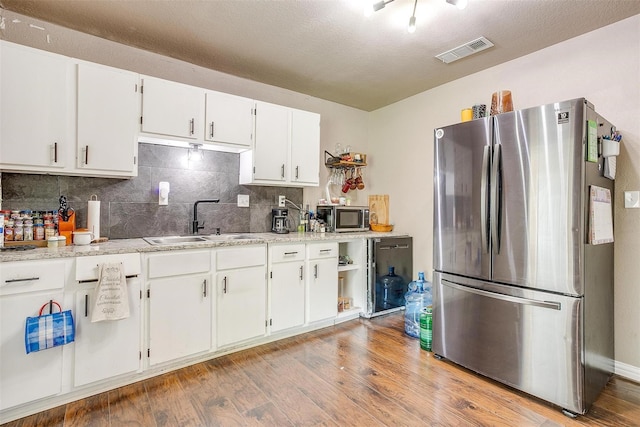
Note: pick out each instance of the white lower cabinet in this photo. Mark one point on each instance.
(241, 288)
(106, 349)
(24, 288)
(322, 280)
(180, 305)
(286, 286)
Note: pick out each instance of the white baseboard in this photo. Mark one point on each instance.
(628, 371)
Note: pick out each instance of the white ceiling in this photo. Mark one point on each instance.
(328, 48)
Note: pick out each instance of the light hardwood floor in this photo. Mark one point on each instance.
(360, 373)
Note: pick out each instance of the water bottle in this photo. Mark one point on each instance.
(389, 293)
(426, 329)
(416, 298)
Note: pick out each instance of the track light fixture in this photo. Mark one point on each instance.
(374, 7)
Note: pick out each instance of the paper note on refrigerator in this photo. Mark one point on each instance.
(600, 216)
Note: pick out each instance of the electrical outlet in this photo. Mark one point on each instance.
(243, 200)
(281, 201)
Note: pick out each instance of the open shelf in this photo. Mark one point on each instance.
(348, 267)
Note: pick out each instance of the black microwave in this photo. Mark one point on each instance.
(344, 218)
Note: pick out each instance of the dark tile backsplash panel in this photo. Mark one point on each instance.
(129, 207)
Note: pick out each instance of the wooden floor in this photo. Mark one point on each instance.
(360, 373)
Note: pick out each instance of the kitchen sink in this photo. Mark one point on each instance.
(173, 240)
(217, 237)
(176, 240)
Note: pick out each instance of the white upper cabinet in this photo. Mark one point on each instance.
(286, 148)
(305, 148)
(108, 107)
(228, 119)
(36, 102)
(172, 109)
(271, 142)
(63, 116)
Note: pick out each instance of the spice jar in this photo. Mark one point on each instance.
(49, 231)
(28, 231)
(38, 232)
(18, 231)
(8, 231)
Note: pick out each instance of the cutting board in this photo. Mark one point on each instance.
(379, 208)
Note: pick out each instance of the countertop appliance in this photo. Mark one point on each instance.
(340, 218)
(520, 295)
(280, 220)
(385, 291)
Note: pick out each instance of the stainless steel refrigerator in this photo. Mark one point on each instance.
(520, 295)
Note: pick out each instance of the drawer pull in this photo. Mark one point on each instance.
(86, 305)
(301, 273)
(325, 250)
(315, 271)
(26, 279)
(224, 288)
(204, 288)
(290, 253)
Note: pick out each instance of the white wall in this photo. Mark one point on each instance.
(604, 67)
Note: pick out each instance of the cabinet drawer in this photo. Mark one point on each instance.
(322, 250)
(179, 262)
(286, 253)
(241, 257)
(87, 267)
(30, 276)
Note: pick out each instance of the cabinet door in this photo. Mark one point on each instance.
(305, 147)
(287, 295)
(241, 305)
(26, 377)
(179, 317)
(35, 107)
(107, 119)
(172, 109)
(271, 142)
(106, 349)
(228, 119)
(322, 279)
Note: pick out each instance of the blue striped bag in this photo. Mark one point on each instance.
(49, 330)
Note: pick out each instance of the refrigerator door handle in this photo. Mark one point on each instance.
(525, 301)
(484, 208)
(496, 197)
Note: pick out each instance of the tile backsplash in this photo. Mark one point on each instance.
(129, 207)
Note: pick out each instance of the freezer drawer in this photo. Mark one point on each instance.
(529, 340)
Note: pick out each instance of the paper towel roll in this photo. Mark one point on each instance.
(93, 217)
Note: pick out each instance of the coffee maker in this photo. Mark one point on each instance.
(280, 220)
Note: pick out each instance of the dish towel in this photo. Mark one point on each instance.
(111, 296)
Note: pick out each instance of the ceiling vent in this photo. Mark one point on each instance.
(474, 46)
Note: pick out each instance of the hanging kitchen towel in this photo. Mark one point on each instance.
(111, 296)
(48, 330)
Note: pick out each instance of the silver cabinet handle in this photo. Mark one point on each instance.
(211, 130)
(55, 152)
(192, 126)
(290, 253)
(86, 305)
(26, 279)
(325, 250)
(315, 271)
(524, 301)
(86, 154)
(484, 208)
(282, 171)
(297, 167)
(224, 287)
(204, 288)
(301, 272)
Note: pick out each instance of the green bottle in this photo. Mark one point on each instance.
(426, 328)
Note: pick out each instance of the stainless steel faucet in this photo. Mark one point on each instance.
(196, 223)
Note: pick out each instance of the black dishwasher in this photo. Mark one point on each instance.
(389, 272)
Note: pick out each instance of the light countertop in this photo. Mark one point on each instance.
(122, 246)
